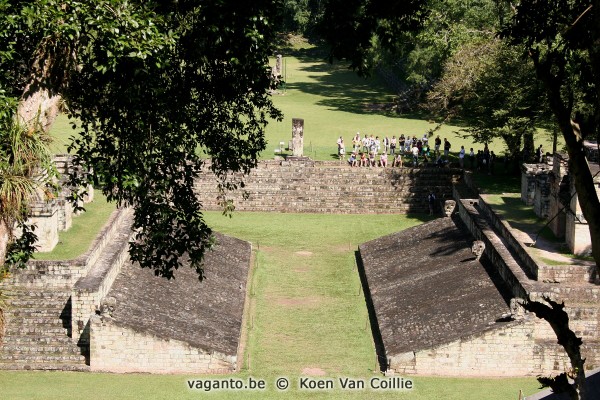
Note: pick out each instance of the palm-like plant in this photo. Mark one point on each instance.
(25, 169)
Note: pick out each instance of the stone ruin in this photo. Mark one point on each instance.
(52, 215)
(548, 188)
(297, 142)
(436, 311)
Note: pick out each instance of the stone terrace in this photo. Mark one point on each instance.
(427, 288)
(196, 317)
(332, 187)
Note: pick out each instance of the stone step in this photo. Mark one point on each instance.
(39, 321)
(33, 348)
(48, 366)
(42, 357)
(27, 302)
(41, 338)
(13, 330)
(20, 292)
(35, 312)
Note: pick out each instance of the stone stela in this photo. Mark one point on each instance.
(297, 137)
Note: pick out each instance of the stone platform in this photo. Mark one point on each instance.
(427, 290)
(179, 325)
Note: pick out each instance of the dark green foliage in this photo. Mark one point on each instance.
(352, 27)
(21, 249)
(157, 87)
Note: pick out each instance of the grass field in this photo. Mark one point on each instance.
(334, 102)
(307, 315)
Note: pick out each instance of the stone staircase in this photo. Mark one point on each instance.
(332, 187)
(38, 326)
(37, 334)
(574, 285)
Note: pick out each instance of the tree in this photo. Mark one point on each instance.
(26, 172)
(562, 38)
(494, 88)
(155, 86)
(354, 28)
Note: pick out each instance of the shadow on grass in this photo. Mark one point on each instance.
(522, 217)
(500, 182)
(375, 331)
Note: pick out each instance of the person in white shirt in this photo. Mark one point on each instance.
(461, 156)
(415, 153)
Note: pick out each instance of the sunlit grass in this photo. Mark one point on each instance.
(307, 313)
(86, 226)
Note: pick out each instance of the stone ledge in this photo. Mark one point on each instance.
(205, 315)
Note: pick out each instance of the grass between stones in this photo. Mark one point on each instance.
(307, 314)
(307, 317)
(76, 240)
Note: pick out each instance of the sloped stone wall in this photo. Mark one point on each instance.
(120, 349)
(508, 351)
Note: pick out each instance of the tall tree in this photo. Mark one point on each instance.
(354, 28)
(491, 85)
(562, 38)
(155, 86)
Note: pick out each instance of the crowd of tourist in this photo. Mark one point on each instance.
(371, 151)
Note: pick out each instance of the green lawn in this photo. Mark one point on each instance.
(307, 313)
(333, 101)
(307, 310)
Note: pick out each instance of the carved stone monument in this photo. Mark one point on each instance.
(297, 137)
(449, 206)
(477, 249)
(278, 66)
(107, 306)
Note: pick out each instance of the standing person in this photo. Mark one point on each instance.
(480, 160)
(393, 145)
(539, 154)
(401, 142)
(408, 144)
(366, 143)
(437, 144)
(472, 159)
(356, 142)
(447, 146)
(377, 145)
(341, 149)
(431, 201)
(386, 145)
(415, 153)
(461, 157)
(492, 162)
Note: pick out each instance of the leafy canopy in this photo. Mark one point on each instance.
(157, 87)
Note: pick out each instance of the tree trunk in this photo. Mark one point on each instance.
(578, 164)
(38, 108)
(558, 319)
(4, 236)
